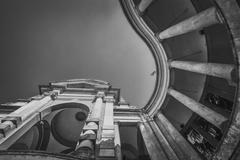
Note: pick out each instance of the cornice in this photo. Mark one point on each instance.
(162, 69)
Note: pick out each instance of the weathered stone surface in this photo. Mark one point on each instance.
(225, 71)
(203, 111)
(203, 19)
(154, 149)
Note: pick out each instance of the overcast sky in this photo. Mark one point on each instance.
(50, 40)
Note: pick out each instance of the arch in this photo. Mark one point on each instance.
(58, 105)
(40, 138)
(69, 107)
(60, 129)
(44, 128)
(70, 104)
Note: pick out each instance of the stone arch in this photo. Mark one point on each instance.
(75, 113)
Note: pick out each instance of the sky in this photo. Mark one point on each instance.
(43, 41)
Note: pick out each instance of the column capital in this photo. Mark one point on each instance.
(53, 94)
(109, 99)
(100, 94)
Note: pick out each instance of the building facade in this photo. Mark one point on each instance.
(79, 118)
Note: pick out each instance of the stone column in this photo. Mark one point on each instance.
(203, 19)
(144, 4)
(203, 111)
(117, 142)
(153, 147)
(108, 116)
(97, 108)
(225, 71)
(178, 143)
(84, 149)
(106, 143)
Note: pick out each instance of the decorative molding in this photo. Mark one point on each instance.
(108, 99)
(162, 69)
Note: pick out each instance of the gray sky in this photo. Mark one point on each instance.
(49, 40)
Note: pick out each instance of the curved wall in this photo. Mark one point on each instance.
(214, 44)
